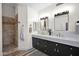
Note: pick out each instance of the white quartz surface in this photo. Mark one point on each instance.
(65, 40)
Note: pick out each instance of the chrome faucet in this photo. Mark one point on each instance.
(58, 34)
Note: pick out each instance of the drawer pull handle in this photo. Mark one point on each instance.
(54, 49)
(37, 43)
(70, 48)
(57, 50)
(56, 44)
(45, 45)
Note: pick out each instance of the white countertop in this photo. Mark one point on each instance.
(64, 40)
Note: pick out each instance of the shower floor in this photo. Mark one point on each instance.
(7, 49)
(20, 52)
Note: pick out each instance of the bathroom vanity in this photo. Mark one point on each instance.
(56, 46)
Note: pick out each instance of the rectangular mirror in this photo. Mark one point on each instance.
(61, 21)
(44, 23)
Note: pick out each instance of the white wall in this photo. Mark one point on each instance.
(26, 16)
(73, 14)
(16, 9)
(22, 18)
(32, 16)
(0, 29)
(8, 10)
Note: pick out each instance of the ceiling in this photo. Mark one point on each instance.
(10, 4)
(39, 6)
(35, 6)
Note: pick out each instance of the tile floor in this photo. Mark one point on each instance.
(36, 53)
(31, 52)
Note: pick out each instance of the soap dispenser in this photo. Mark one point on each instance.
(49, 31)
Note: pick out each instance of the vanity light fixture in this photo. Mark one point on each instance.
(62, 13)
(58, 4)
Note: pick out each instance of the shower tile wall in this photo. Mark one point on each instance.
(8, 30)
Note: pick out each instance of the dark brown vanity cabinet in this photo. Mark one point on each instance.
(54, 48)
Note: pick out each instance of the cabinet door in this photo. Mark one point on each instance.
(41, 45)
(51, 48)
(37, 43)
(34, 41)
(45, 46)
(63, 50)
(75, 51)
